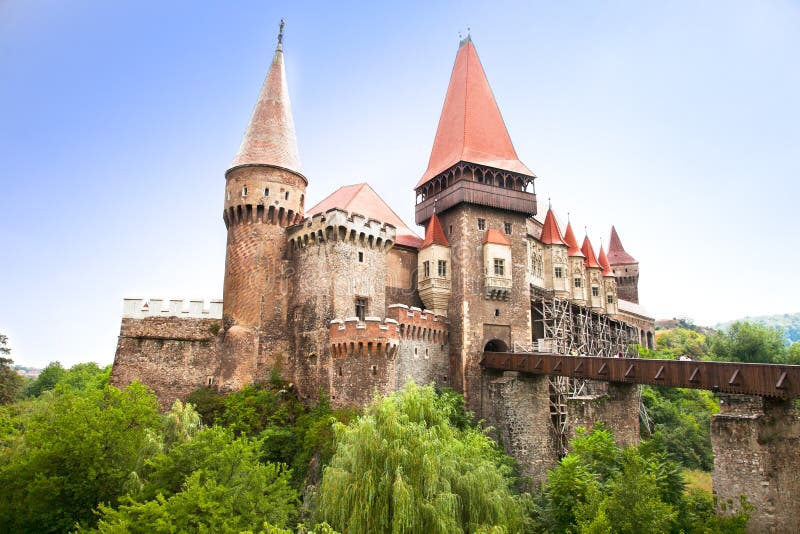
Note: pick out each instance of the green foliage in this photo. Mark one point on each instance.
(787, 323)
(46, 380)
(75, 451)
(79, 377)
(793, 354)
(749, 343)
(404, 467)
(208, 402)
(252, 409)
(600, 488)
(678, 342)
(680, 424)
(10, 382)
(209, 482)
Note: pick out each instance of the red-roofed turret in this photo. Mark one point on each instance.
(572, 243)
(434, 234)
(588, 252)
(551, 233)
(603, 261)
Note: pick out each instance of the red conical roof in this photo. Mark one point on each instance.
(471, 127)
(434, 234)
(497, 237)
(588, 251)
(270, 137)
(603, 261)
(572, 243)
(551, 233)
(362, 199)
(616, 252)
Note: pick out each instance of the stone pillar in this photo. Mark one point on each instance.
(519, 410)
(617, 407)
(756, 442)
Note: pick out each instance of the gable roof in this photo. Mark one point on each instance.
(471, 127)
(362, 199)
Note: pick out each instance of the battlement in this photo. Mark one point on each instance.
(339, 225)
(419, 324)
(133, 308)
(371, 337)
(261, 212)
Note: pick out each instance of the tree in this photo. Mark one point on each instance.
(46, 381)
(211, 482)
(76, 451)
(748, 343)
(793, 354)
(10, 382)
(681, 341)
(404, 467)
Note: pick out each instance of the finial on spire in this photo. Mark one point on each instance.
(549, 203)
(567, 217)
(280, 33)
(434, 205)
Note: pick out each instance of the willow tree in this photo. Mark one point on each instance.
(404, 467)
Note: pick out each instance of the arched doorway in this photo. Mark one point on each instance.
(496, 345)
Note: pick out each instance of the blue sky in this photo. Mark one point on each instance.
(679, 122)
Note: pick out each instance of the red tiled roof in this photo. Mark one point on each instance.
(270, 137)
(572, 243)
(434, 234)
(616, 252)
(603, 261)
(551, 233)
(497, 237)
(471, 127)
(362, 199)
(588, 251)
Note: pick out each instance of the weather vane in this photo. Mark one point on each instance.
(280, 33)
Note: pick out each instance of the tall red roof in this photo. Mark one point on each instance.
(572, 243)
(616, 252)
(471, 127)
(362, 199)
(496, 237)
(603, 261)
(588, 251)
(270, 137)
(551, 233)
(434, 234)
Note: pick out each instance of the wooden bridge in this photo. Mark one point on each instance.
(760, 379)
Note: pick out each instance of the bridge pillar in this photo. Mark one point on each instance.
(617, 407)
(518, 408)
(756, 442)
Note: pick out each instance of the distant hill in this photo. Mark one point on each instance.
(788, 322)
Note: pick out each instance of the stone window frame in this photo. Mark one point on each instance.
(481, 224)
(426, 269)
(362, 307)
(595, 291)
(442, 268)
(507, 227)
(499, 267)
(578, 282)
(610, 299)
(558, 272)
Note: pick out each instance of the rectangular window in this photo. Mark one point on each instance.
(610, 299)
(481, 224)
(558, 272)
(595, 291)
(578, 282)
(361, 257)
(508, 228)
(442, 268)
(499, 267)
(426, 269)
(361, 308)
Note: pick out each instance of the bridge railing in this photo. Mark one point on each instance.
(767, 380)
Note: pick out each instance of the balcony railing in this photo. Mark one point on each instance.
(497, 288)
(476, 193)
(434, 283)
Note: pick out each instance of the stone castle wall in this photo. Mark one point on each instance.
(617, 407)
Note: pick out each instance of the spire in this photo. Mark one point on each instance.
(434, 234)
(603, 261)
(471, 127)
(616, 252)
(551, 233)
(270, 137)
(588, 251)
(571, 242)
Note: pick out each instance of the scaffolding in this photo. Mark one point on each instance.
(576, 330)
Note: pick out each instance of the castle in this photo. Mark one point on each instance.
(344, 298)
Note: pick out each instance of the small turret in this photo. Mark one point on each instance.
(556, 266)
(625, 268)
(594, 276)
(577, 268)
(434, 268)
(609, 283)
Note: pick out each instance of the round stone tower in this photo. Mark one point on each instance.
(264, 193)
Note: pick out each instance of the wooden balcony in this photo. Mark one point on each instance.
(476, 193)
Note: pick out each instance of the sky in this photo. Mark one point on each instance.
(678, 122)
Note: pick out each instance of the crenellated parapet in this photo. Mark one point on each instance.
(370, 337)
(260, 211)
(339, 225)
(418, 324)
(135, 308)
